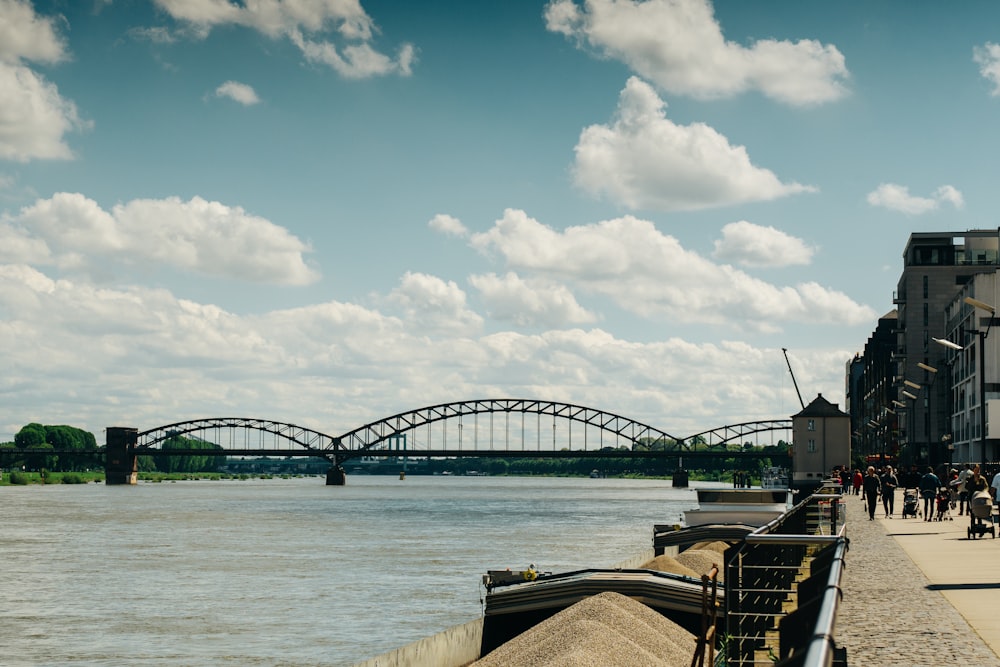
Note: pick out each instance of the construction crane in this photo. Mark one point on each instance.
(801, 402)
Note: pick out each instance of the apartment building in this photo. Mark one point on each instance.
(934, 424)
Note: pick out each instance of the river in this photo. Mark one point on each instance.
(289, 571)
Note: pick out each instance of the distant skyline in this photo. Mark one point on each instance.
(326, 212)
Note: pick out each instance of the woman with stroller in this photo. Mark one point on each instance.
(929, 485)
(973, 484)
(889, 484)
(872, 485)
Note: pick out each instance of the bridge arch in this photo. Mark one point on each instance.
(284, 435)
(724, 435)
(377, 433)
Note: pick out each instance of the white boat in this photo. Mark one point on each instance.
(774, 478)
(751, 507)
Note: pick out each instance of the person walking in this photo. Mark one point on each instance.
(889, 484)
(963, 495)
(929, 485)
(857, 480)
(872, 485)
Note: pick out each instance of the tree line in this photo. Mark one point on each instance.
(70, 439)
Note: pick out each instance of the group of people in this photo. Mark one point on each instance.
(958, 487)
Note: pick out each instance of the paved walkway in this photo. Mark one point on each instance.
(918, 593)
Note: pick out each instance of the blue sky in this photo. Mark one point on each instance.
(326, 212)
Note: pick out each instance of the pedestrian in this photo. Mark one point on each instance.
(889, 484)
(963, 495)
(872, 485)
(845, 481)
(974, 484)
(995, 487)
(857, 481)
(929, 485)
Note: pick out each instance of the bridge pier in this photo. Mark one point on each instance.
(121, 465)
(336, 476)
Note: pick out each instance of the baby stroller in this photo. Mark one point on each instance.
(981, 509)
(911, 503)
(943, 504)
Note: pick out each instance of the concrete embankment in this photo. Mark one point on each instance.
(456, 646)
(460, 645)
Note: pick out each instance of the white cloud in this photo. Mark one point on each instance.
(238, 92)
(26, 36)
(449, 225)
(679, 45)
(530, 303)
(33, 116)
(652, 275)
(354, 58)
(987, 57)
(898, 198)
(205, 237)
(434, 305)
(753, 245)
(135, 356)
(644, 161)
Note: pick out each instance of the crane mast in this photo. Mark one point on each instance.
(801, 402)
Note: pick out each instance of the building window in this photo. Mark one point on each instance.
(927, 318)
(925, 287)
(811, 446)
(811, 425)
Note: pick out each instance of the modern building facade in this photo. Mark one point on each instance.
(871, 392)
(939, 268)
(974, 388)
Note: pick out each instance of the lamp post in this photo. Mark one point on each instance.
(980, 305)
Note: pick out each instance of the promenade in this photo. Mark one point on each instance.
(918, 593)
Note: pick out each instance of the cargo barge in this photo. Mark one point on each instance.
(776, 604)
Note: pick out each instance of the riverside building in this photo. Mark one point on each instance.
(926, 405)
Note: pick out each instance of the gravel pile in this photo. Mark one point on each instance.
(701, 560)
(670, 564)
(719, 547)
(606, 630)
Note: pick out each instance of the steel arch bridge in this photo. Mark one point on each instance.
(725, 435)
(383, 437)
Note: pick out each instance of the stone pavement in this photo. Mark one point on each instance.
(918, 593)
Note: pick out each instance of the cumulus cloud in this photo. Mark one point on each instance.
(305, 24)
(530, 303)
(650, 274)
(435, 305)
(34, 117)
(679, 45)
(987, 57)
(238, 92)
(642, 160)
(201, 236)
(447, 224)
(94, 357)
(753, 245)
(898, 198)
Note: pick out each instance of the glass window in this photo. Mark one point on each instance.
(811, 425)
(811, 446)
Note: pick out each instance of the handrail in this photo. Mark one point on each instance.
(768, 604)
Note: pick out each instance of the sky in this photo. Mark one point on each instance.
(326, 212)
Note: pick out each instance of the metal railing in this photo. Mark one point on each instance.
(783, 588)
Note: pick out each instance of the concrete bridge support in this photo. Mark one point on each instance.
(336, 476)
(121, 466)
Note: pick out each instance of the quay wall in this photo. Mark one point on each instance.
(459, 645)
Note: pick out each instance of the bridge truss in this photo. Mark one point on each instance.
(482, 427)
